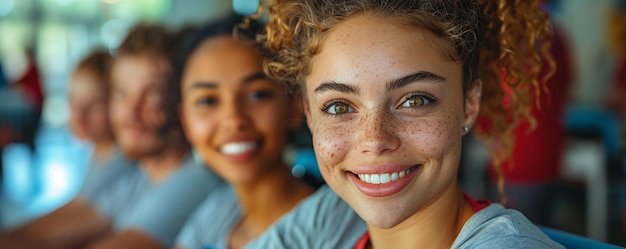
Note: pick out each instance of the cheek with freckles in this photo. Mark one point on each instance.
(432, 137)
(331, 145)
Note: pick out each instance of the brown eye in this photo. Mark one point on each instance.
(414, 101)
(341, 108)
(417, 101)
(337, 108)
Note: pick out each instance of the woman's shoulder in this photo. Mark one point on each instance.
(322, 220)
(504, 228)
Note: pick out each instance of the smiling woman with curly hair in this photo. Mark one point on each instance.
(389, 90)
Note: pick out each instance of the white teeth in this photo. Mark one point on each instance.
(237, 148)
(375, 179)
(384, 177)
(394, 176)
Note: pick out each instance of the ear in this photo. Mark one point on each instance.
(472, 104)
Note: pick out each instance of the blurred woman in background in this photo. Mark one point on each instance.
(238, 121)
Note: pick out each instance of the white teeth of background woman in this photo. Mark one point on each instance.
(384, 177)
(237, 148)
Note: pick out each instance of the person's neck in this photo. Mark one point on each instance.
(102, 149)
(434, 226)
(266, 200)
(160, 165)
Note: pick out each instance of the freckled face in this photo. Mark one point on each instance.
(386, 110)
(233, 116)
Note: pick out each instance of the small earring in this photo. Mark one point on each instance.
(465, 129)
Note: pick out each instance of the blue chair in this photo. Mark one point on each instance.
(305, 166)
(246, 7)
(594, 152)
(572, 241)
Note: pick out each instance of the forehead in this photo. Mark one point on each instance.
(85, 81)
(139, 71)
(380, 46)
(221, 56)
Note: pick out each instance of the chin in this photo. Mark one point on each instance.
(138, 152)
(381, 216)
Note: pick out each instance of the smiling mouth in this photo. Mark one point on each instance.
(384, 177)
(238, 148)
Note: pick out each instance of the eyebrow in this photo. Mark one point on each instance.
(421, 76)
(199, 85)
(212, 85)
(334, 86)
(253, 77)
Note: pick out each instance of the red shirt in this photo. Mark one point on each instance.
(477, 205)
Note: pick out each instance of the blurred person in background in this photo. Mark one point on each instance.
(146, 207)
(89, 121)
(238, 121)
(21, 103)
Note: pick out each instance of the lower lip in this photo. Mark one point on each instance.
(387, 189)
(241, 157)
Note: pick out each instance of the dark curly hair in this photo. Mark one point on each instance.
(227, 26)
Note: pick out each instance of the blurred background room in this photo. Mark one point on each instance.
(569, 173)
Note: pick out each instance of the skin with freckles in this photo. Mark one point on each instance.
(383, 97)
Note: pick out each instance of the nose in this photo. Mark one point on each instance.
(377, 133)
(134, 109)
(234, 115)
(78, 116)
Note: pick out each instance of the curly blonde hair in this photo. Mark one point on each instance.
(503, 43)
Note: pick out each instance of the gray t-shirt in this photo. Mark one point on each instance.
(212, 222)
(328, 222)
(321, 221)
(102, 174)
(497, 227)
(158, 210)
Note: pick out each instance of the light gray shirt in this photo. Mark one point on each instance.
(321, 221)
(158, 210)
(102, 174)
(212, 222)
(497, 227)
(325, 221)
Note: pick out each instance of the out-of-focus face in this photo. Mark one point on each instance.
(233, 116)
(137, 113)
(89, 112)
(386, 110)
